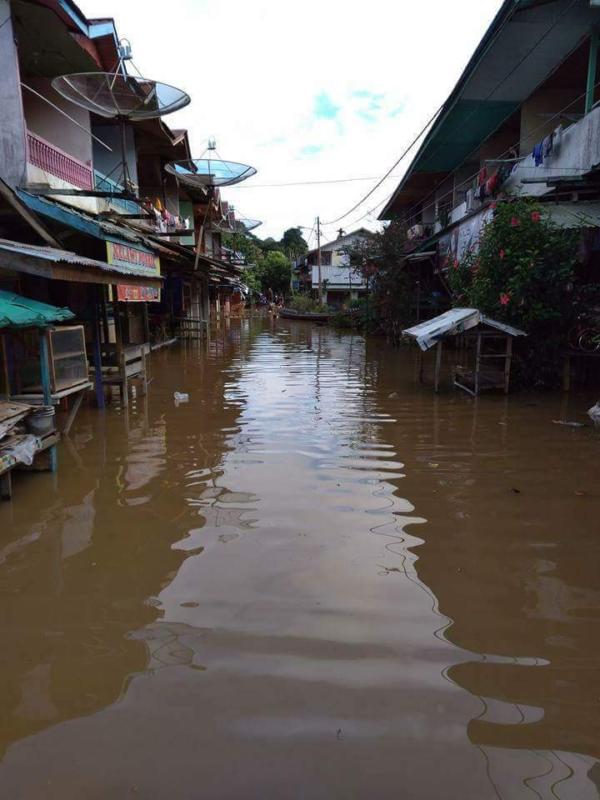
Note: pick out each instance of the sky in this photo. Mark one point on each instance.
(315, 91)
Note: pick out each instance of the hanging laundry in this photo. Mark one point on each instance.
(548, 145)
(492, 185)
(538, 154)
(482, 176)
(558, 138)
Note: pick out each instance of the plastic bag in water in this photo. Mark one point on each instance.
(25, 449)
(181, 397)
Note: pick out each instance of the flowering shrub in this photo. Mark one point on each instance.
(524, 274)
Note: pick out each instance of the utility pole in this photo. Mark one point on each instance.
(319, 259)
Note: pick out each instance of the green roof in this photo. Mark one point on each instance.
(21, 312)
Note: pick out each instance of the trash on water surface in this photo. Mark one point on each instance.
(181, 397)
(568, 424)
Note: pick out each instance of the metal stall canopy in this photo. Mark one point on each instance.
(492, 367)
(453, 323)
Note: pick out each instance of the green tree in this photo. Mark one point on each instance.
(274, 272)
(293, 243)
(524, 272)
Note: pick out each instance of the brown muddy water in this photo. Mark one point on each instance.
(314, 580)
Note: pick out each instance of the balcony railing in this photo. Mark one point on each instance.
(49, 158)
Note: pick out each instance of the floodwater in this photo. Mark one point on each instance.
(314, 580)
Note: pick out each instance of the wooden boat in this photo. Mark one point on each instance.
(307, 316)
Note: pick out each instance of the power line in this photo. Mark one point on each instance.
(521, 61)
(475, 110)
(542, 125)
(308, 183)
(389, 172)
(422, 132)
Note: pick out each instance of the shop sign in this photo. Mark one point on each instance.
(123, 255)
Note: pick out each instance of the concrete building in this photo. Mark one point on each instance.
(523, 120)
(340, 281)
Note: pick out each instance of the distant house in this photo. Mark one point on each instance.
(340, 282)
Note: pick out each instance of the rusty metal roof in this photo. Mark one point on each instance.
(452, 323)
(91, 268)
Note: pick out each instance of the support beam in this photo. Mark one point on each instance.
(592, 70)
(47, 388)
(438, 365)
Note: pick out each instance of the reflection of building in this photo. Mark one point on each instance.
(82, 562)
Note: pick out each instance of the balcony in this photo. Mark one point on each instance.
(338, 277)
(52, 160)
(575, 152)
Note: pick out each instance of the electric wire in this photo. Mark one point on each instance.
(475, 110)
(407, 216)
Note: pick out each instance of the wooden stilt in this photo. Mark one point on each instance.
(75, 408)
(47, 389)
(507, 364)
(438, 365)
(478, 363)
(97, 348)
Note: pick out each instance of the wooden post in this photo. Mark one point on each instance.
(120, 350)
(507, 364)
(5, 486)
(438, 365)
(147, 342)
(478, 363)
(97, 348)
(104, 315)
(47, 388)
(4, 356)
(567, 373)
(420, 365)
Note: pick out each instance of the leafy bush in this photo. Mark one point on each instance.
(524, 274)
(305, 304)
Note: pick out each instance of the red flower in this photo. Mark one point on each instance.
(536, 216)
(456, 265)
(501, 254)
(493, 206)
(504, 299)
(515, 222)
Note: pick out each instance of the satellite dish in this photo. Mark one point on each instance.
(242, 225)
(119, 96)
(245, 225)
(209, 173)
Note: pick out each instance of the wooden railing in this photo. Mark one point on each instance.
(48, 157)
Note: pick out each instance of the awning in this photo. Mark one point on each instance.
(573, 215)
(21, 312)
(61, 265)
(453, 323)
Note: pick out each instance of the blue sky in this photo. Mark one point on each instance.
(311, 92)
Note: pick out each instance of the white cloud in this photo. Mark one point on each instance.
(256, 70)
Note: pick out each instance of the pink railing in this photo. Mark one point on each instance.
(46, 156)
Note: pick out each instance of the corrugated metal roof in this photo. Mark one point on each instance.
(453, 323)
(21, 312)
(66, 257)
(573, 215)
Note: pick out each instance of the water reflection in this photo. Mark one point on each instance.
(312, 580)
(511, 554)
